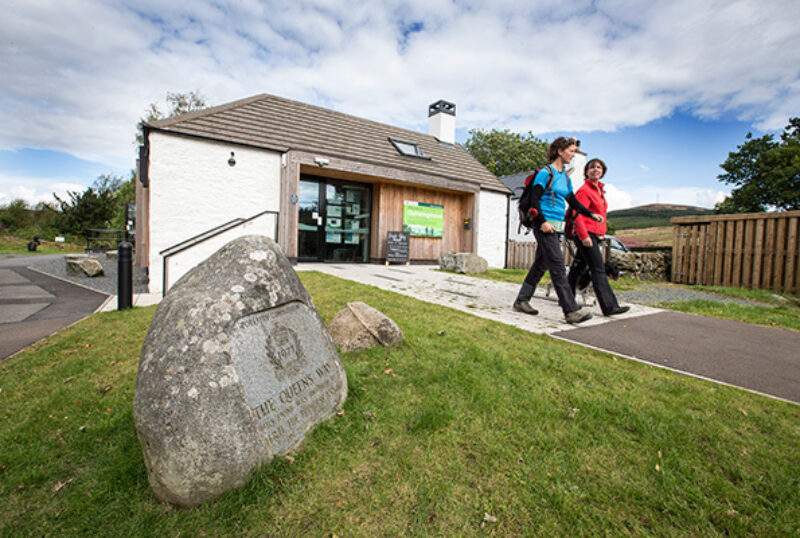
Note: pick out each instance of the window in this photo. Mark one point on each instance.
(408, 148)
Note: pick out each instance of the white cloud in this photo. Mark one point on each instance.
(616, 198)
(78, 74)
(34, 189)
(644, 167)
(693, 196)
(651, 194)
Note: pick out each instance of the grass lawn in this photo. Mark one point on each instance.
(16, 245)
(467, 417)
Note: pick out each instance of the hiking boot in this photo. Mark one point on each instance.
(578, 316)
(525, 307)
(618, 310)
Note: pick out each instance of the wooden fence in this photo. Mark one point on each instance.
(522, 253)
(751, 250)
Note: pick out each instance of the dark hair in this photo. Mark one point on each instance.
(590, 163)
(562, 142)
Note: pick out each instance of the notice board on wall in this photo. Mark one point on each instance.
(423, 220)
(397, 247)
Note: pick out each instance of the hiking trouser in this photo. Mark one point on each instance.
(548, 258)
(592, 258)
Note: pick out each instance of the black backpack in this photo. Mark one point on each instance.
(527, 213)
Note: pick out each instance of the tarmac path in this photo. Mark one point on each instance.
(34, 305)
(761, 359)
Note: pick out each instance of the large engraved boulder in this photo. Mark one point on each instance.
(236, 368)
(359, 326)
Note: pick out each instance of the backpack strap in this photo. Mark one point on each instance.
(551, 177)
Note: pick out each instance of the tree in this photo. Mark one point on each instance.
(180, 103)
(764, 172)
(124, 193)
(94, 208)
(505, 153)
(16, 215)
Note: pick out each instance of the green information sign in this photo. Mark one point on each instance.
(423, 220)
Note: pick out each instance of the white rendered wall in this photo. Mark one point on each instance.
(513, 224)
(193, 189)
(577, 164)
(492, 207)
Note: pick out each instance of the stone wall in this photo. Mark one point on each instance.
(652, 265)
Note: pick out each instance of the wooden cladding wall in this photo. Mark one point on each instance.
(752, 250)
(387, 211)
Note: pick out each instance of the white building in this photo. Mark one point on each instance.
(326, 186)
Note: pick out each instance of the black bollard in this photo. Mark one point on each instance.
(124, 276)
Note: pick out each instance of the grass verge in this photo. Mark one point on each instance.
(784, 317)
(15, 245)
(466, 417)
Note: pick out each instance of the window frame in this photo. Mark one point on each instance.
(398, 145)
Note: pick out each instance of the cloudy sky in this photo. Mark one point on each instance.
(661, 90)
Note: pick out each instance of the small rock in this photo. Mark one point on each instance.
(463, 262)
(359, 326)
(88, 265)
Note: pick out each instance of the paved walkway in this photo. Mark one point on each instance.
(477, 296)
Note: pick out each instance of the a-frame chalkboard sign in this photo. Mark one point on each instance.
(397, 247)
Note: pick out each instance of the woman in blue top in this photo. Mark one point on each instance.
(548, 224)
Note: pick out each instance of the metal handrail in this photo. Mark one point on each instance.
(208, 234)
(230, 224)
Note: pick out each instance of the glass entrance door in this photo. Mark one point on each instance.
(347, 212)
(334, 220)
(309, 222)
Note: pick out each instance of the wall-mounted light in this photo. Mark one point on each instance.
(321, 161)
(231, 161)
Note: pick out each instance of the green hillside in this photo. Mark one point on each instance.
(652, 215)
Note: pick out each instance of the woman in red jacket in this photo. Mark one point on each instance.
(587, 236)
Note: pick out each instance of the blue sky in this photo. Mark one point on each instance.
(662, 91)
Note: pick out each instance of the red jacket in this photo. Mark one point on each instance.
(594, 199)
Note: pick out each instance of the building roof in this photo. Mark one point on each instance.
(270, 122)
(516, 182)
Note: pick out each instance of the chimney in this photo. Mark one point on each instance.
(442, 121)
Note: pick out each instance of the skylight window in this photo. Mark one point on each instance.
(408, 148)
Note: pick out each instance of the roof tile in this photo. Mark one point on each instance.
(271, 122)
